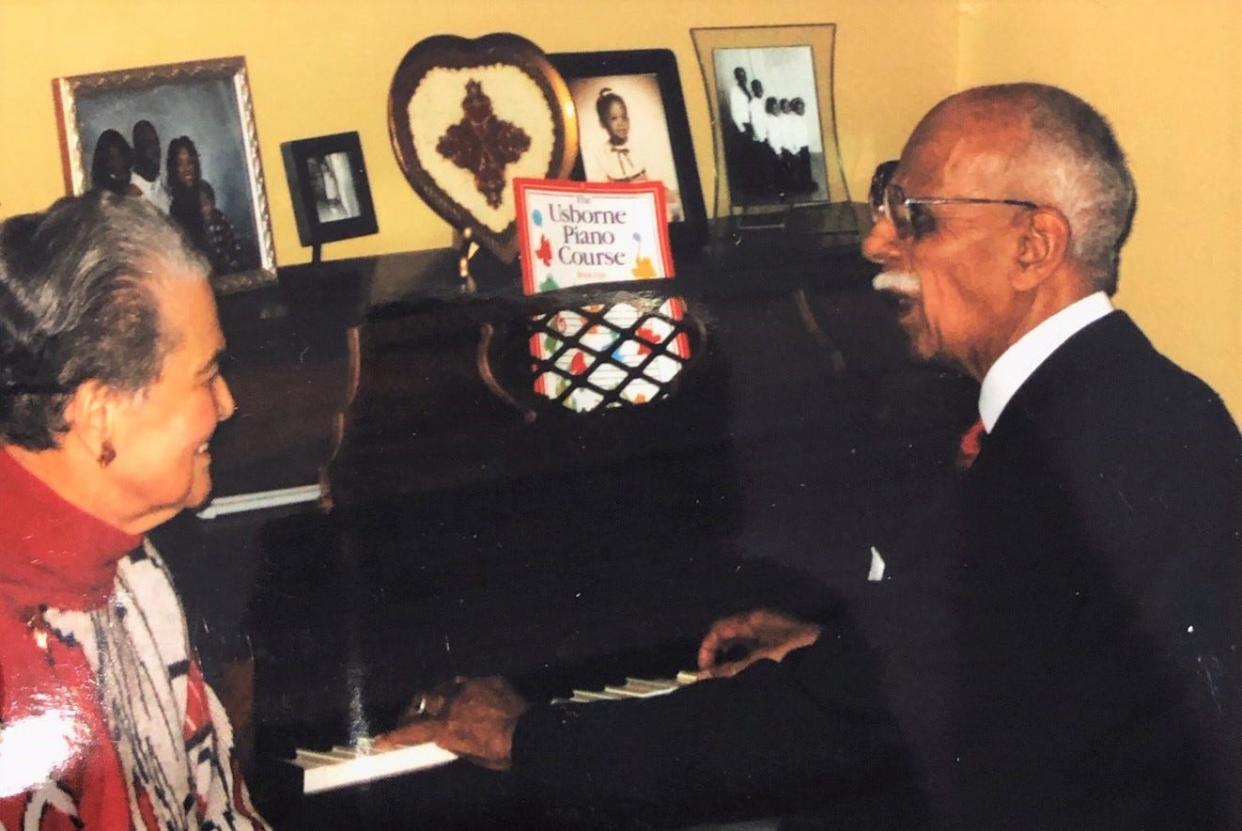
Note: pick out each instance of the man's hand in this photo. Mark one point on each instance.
(472, 717)
(758, 634)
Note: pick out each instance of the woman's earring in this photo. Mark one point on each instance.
(106, 454)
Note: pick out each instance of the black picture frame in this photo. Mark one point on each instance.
(333, 203)
(688, 234)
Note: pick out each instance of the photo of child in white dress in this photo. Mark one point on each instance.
(623, 133)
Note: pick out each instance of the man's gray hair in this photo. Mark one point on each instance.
(76, 305)
(1075, 160)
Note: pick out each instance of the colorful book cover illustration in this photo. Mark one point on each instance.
(574, 234)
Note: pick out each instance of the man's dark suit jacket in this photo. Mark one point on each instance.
(1069, 658)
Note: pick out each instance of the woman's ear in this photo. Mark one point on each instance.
(1043, 247)
(91, 416)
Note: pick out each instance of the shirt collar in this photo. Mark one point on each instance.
(1025, 355)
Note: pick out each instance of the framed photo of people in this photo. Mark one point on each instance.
(331, 193)
(183, 136)
(632, 127)
(770, 92)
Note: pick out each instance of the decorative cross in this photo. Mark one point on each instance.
(483, 144)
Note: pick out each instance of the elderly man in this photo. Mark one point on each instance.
(1068, 658)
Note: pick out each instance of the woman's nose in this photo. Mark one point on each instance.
(225, 405)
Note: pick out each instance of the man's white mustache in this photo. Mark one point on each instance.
(901, 282)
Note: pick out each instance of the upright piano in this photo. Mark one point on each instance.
(468, 526)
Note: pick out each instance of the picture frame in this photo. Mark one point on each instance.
(196, 116)
(766, 160)
(329, 187)
(648, 86)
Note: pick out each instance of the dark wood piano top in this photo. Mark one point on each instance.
(571, 550)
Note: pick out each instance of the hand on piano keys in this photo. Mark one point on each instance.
(372, 759)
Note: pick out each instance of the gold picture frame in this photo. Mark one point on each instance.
(202, 113)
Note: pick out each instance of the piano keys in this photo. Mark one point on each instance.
(340, 767)
(344, 766)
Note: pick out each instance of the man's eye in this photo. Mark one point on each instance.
(922, 220)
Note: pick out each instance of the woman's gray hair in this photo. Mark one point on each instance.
(76, 305)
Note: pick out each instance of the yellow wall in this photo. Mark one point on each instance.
(324, 66)
(1167, 74)
(1169, 77)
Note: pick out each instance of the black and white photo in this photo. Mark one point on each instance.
(329, 188)
(333, 184)
(633, 127)
(623, 133)
(774, 150)
(770, 90)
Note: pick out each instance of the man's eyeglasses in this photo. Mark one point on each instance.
(908, 213)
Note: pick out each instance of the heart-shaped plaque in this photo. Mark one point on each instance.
(467, 117)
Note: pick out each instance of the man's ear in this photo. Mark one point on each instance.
(91, 415)
(1042, 248)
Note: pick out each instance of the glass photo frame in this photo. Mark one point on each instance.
(774, 130)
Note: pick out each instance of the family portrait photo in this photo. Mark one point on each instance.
(770, 125)
(177, 137)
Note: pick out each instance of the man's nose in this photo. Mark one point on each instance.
(880, 244)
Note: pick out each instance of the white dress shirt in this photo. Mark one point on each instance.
(759, 119)
(739, 107)
(154, 191)
(799, 137)
(1022, 358)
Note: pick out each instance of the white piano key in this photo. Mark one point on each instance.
(336, 769)
(633, 690)
(588, 695)
(661, 684)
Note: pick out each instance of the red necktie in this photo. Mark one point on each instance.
(970, 444)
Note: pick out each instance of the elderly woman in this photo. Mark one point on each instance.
(110, 391)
